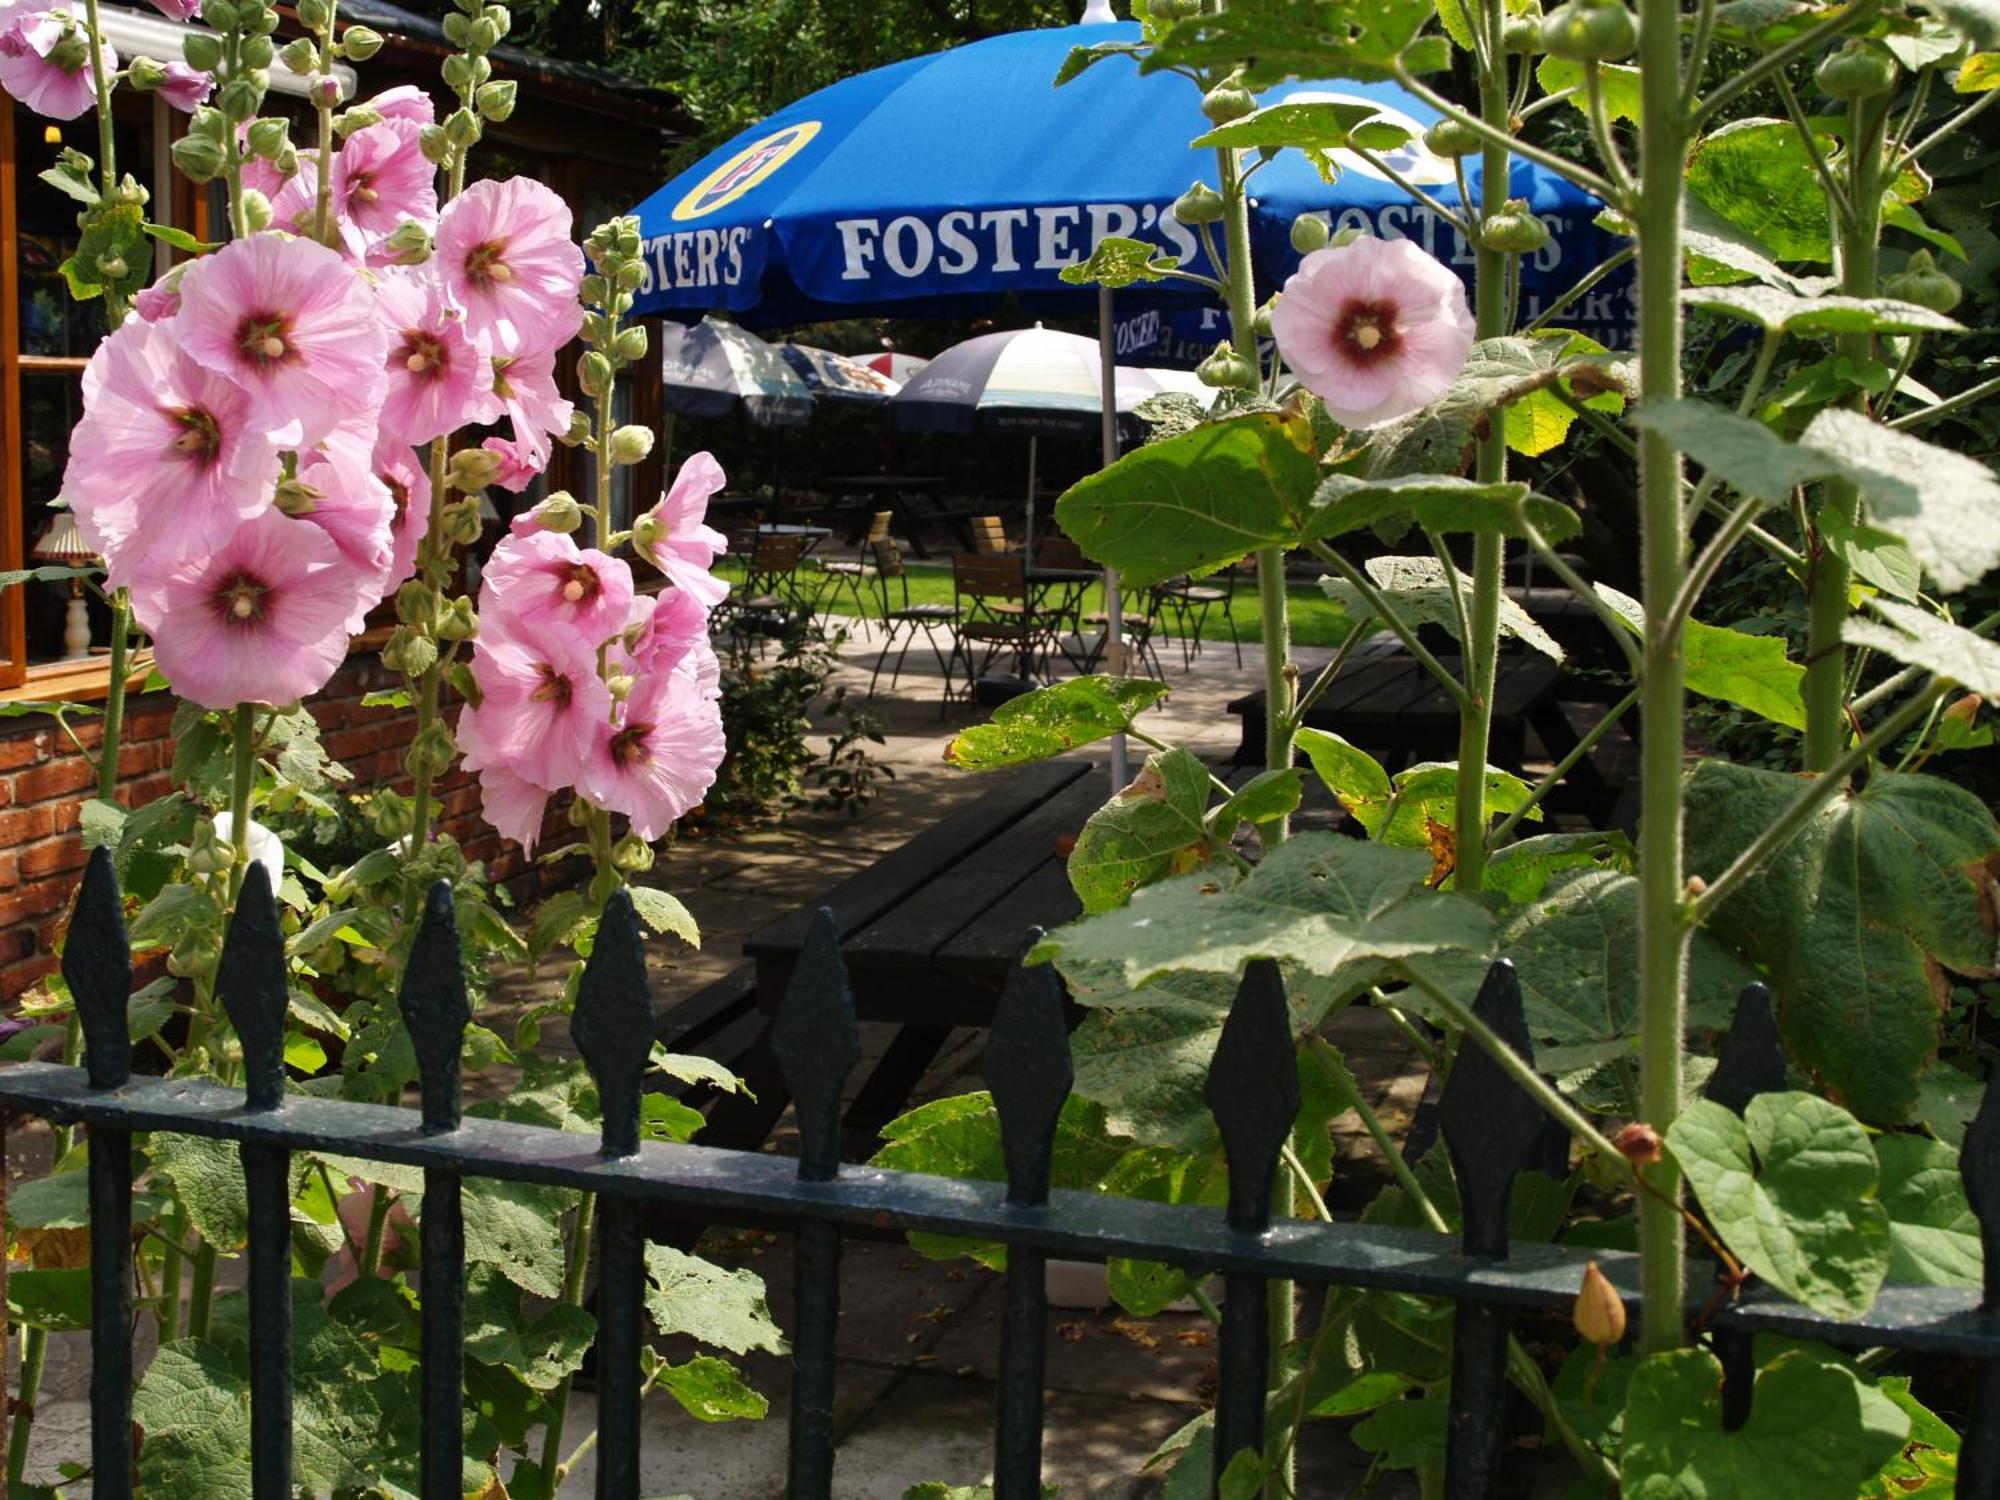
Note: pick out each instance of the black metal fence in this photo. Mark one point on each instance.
(1489, 1124)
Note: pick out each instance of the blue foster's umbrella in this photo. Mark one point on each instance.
(937, 185)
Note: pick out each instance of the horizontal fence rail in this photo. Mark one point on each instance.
(1491, 1127)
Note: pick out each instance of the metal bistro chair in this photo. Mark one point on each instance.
(906, 620)
(1140, 616)
(849, 575)
(770, 596)
(1189, 603)
(995, 613)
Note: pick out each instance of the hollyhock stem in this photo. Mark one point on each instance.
(243, 742)
(323, 197)
(1663, 929)
(1482, 642)
(572, 1296)
(433, 544)
(1827, 573)
(114, 698)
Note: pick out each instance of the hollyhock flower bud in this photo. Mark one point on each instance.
(258, 52)
(266, 138)
(461, 521)
(1599, 1312)
(458, 623)
(431, 751)
(416, 604)
(202, 51)
(1225, 369)
(461, 126)
(1921, 282)
(1515, 229)
(632, 342)
(558, 513)
(1638, 1143)
(409, 651)
(519, 464)
(496, 100)
(1375, 328)
(355, 117)
(594, 373)
(325, 89)
(620, 684)
(208, 850)
(360, 43)
(472, 469)
(145, 75)
(1227, 101)
(674, 537)
(632, 854)
(1200, 204)
(1309, 232)
(1450, 138)
(300, 56)
(257, 211)
(408, 244)
(431, 140)
(240, 98)
(631, 443)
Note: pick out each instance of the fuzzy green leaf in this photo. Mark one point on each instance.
(1815, 1429)
(1118, 262)
(712, 1390)
(1919, 638)
(1790, 1187)
(1052, 720)
(1316, 125)
(1933, 1235)
(1149, 830)
(665, 913)
(1438, 503)
(1757, 175)
(1354, 776)
(1420, 593)
(1278, 39)
(1780, 311)
(724, 1309)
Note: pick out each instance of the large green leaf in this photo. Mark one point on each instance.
(1757, 175)
(1438, 503)
(1791, 1189)
(1522, 870)
(1751, 671)
(1196, 502)
(517, 1227)
(1514, 373)
(1744, 454)
(540, 1350)
(1336, 907)
(1050, 720)
(724, 1309)
(1420, 592)
(1781, 311)
(1354, 776)
(1311, 125)
(194, 1410)
(207, 1177)
(1149, 830)
(1620, 86)
(1920, 638)
(712, 1390)
(1852, 918)
(1944, 504)
(1928, 1462)
(1574, 946)
(1273, 40)
(1815, 1430)
(57, 1300)
(1118, 262)
(1933, 1235)
(1978, 19)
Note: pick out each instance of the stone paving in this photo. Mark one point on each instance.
(919, 1338)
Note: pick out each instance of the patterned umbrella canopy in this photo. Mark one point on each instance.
(715, 369)
(837, 377)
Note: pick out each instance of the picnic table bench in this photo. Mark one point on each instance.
(1386, 702)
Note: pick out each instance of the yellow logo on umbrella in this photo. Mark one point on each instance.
(745, 170)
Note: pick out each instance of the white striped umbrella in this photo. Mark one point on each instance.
(1037, 382)
(836, 377)
(898, 367)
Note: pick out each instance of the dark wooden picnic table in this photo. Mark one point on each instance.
(895, 493)
(929, 932)
(1386, 702)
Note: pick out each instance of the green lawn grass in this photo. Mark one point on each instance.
(1316, 619)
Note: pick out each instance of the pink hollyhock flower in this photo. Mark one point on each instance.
(185, 88)
(1375, 328)
(293, 324)
(380, 178)
(436, 382)
(510, 803)
(662, 631)
(505, 251)
(262, 619)
(525, 386)
(167, 460)
(356, 509)
(45, 62)
(543, 582)
(541, 703)
(519, 464)
(673, 537)
(402, 470)
(265, 177)
(404, 102)
(661, 757)
(162, 299)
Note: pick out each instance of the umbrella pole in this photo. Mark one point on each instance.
(1114, 612)
(1028, 539)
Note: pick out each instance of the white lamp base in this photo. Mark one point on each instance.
(76, 628)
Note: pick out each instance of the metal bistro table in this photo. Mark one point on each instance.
(929, 932)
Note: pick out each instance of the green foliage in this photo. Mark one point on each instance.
(1815, 1429)
(1791, 1189)
(1152, 828)
(1035, 726)
(1421, 593)
(1852, 918)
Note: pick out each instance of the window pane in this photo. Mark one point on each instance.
(51, 403)
(51, 322)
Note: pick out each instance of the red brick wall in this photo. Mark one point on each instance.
(44, 781)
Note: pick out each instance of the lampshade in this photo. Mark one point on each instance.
(62, 542)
